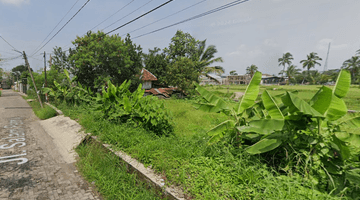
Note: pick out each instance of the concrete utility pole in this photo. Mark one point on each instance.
(28, 66)
(46, 95)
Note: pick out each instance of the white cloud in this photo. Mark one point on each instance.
(324, 44)
(15, 2)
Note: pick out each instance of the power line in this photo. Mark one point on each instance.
(166, 17)
(234, 3)
(128, 14)
(139, 17)
(113, 14)
(9, 44)
(63, 26)
(56, 25)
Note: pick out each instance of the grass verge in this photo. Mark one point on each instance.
(42, 113)
(204, 172)
(110, 177)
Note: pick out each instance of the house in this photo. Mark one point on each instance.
(267, 79)
(210, 79)
(237, 79)
(147, 78)
(148, 84)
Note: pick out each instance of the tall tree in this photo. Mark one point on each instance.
(181, 74)
(311, 61)
(99, 57)
(251, 70)
(157, 63)
(285, 60)
(60, 60)
(182, 45)
(353, 65)
(358, 52)
(206, 56)
(291, 72)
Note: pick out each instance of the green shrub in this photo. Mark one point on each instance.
(119, 104)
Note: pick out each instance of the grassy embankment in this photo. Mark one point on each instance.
(204, 172)
(42, 113)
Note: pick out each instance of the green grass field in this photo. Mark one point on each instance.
(306, 92)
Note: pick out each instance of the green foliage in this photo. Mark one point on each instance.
(312, 131)
(119, 104)
(99, 57)
(42, 113)
(105, 170)
(157, 63)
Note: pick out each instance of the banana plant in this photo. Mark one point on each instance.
(239, 113)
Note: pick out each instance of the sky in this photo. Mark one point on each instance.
(254, 32)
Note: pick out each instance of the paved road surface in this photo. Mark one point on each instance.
(30, 166)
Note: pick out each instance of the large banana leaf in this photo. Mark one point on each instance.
(322, 99)
(217, 131)
(296, 104)
(352, 123)
(271, 106)
(336, 110)
(353, 139)
(263, 146)
(215, 104)
(67, 76)
(342, 85)
(263, 126)
(250, 95)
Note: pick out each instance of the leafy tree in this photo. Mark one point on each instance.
(18, 70)
(311, 61)
(60, 60)
(157, 63)
(182, 45)
(182, 74)
(233, 72)
(251, 70)
(99, 57)
(353, 65)
(216, 70)
(285, 59)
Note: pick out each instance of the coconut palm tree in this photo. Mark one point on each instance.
(358, 52)
(311, 61)
(291, 72)
(218, 70)
(286, 59)
(251, 70)
(233, 72)
(206, 56)
(353, 65)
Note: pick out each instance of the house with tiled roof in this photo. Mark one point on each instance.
(147, 78)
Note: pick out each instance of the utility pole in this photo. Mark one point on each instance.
(28, 66)
(46, 95)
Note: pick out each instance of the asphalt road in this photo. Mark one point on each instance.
(30, 166)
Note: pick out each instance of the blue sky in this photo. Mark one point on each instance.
(256, 32)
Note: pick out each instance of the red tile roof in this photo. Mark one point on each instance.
(147, 76)
(164, 91)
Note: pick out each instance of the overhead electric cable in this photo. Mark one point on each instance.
(56, 25)
(63, 26)
(113, 14)
(166, 17)
(127, 15)
(139, 16)
(9, 44)
(234, 3)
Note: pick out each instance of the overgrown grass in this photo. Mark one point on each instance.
(110, 176)
(0, 93)
(42, 113)
(219, 171)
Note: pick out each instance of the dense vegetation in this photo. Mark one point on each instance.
(271, 144)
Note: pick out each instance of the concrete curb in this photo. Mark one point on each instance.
(144, 174)
(59, 112)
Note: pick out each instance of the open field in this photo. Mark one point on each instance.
(306, 92)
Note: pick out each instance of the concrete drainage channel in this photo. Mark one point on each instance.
(61, 125)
